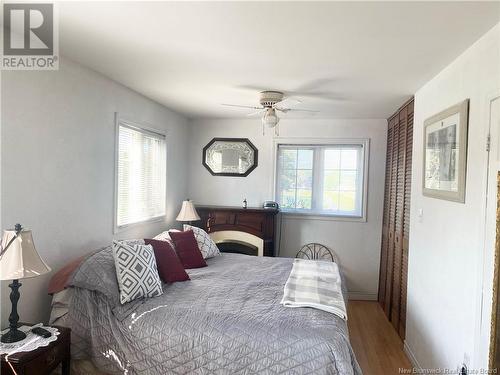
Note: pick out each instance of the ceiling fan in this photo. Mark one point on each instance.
(272, 102)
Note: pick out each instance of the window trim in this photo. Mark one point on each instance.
(147, 128)
(299, 141)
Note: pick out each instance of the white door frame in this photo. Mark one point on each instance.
(485, 263)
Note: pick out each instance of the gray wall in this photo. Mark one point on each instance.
(57, 166)
(447, 260)
(357, 243)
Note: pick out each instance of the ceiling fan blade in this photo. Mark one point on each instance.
(288, 102)
(285, 110)
(256, 112)
(241, 106)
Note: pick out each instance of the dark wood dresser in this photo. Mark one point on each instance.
(41, 361)
(260, 222)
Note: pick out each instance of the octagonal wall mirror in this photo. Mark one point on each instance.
(235, 157)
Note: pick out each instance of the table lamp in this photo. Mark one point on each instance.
(18, 260)
(188, 212)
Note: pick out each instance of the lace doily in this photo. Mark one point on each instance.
(31, 342)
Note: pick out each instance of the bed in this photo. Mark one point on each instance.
(226, 320)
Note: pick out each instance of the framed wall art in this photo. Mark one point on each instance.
(445, 153)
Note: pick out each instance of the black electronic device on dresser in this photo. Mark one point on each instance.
(271, 205)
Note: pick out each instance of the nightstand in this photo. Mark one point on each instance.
(43, 360)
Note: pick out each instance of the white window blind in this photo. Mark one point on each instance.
(321, 179)
(141, 175)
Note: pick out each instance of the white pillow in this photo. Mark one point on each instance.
(163, 236)
(136, 271)
(133, 242)
(207, 246)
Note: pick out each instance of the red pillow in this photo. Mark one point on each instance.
(187, 249)
(168, 263)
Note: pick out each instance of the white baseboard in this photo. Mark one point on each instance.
(411, 356)
(361, 296)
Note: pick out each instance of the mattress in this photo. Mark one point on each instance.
(226, 320)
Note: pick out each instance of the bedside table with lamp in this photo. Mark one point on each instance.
(22, 351)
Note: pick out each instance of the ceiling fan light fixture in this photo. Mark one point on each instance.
(270, 118)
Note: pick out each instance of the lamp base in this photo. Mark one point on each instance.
(14, 335)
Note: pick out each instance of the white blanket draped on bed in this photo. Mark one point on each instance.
(315, 284)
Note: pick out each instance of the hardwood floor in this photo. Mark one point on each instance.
(378, 348)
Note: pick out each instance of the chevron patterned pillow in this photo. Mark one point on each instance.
(136, 271)
(207, 246)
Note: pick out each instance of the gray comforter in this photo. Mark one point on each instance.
(226, 320)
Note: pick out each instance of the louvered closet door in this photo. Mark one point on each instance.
(399, 215)
(406, 219)
(392, 216)
(396, 219)
(385, 221)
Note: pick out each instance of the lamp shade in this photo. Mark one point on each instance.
(188, 212)
(20, 260)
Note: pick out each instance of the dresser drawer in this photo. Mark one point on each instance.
(47, 361)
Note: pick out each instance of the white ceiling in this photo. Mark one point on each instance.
(364, 58)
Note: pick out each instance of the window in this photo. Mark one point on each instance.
(141, 175)
(322, 179)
